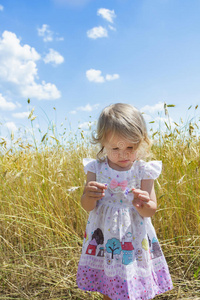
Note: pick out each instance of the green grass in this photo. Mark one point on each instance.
(42, 222)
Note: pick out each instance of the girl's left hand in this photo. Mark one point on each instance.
(141, 198)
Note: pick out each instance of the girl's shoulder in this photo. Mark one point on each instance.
(148, 170)
(91, 165)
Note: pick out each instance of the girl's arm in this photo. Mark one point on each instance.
(145, 199)
(93, 192)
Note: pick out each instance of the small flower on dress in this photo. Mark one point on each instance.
(129, 191)
(126, 192)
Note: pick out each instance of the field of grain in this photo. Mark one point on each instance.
(42, 222)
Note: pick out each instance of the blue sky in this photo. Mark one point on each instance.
(79, 56)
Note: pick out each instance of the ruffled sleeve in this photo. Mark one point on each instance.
(89, 165)
(150, 170)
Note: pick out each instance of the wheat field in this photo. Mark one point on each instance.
(42, 223)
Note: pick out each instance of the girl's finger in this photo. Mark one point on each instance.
(136, 191)
(144, 198)
(139, 193)
(97, 195)
(138, 204)
(97, 185)
(94, 189)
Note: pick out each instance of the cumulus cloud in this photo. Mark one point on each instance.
(95, 76)
(44, 91)
(53, 57)
(97, 32)
(151, 109)
(88, 107)
(100, 32)
(5, 105)
(112, 28)
(86, 125)
(21, 115)
(1, 7)
(107, 14)
(165, 122)
(46, 33)
(73, 112)
(112, 77)
(60, 39)
(18, 67)
(11, 126)
(154, 113)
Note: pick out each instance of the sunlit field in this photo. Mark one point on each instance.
(42, 223)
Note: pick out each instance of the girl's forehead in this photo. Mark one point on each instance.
(114, 139)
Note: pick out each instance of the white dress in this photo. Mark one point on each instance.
(121, 256)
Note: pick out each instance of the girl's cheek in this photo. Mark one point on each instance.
(134, 155)
(113, 154)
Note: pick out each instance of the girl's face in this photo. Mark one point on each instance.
(121, 153)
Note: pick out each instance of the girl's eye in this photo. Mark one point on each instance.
(131, 148)
(115, 149)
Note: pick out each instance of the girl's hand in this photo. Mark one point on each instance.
(95, 190)
(145, 198)
(141, 198)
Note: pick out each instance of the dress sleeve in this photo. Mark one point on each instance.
(150, 170)
(89, 165)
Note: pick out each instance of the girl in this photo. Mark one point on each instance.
(121, 256)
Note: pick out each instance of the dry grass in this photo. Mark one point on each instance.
(42, 222)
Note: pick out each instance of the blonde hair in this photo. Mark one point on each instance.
(126, 121)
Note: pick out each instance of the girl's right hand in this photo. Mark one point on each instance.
(95, 190)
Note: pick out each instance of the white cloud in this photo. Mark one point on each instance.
(18, 104)
(18, 67)
(151, 109)
(53, 57)
(107, 14)
(165, 120)
(112, 77)
(95, 76)
(11, 126)
(88, 107)
(44, 91)
(1, 7)
(86, 125)
(160, 122)
(73, 112)
(5, 105)
(46, 33)
(21, 115)
(112, 28)
(97, 32)
(60, 39)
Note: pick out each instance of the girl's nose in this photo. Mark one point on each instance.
(123, 154)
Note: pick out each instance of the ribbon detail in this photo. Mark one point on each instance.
(114, 184)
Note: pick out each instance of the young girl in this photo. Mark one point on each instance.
(121, 256)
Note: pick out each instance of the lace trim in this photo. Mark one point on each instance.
(115, 186)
